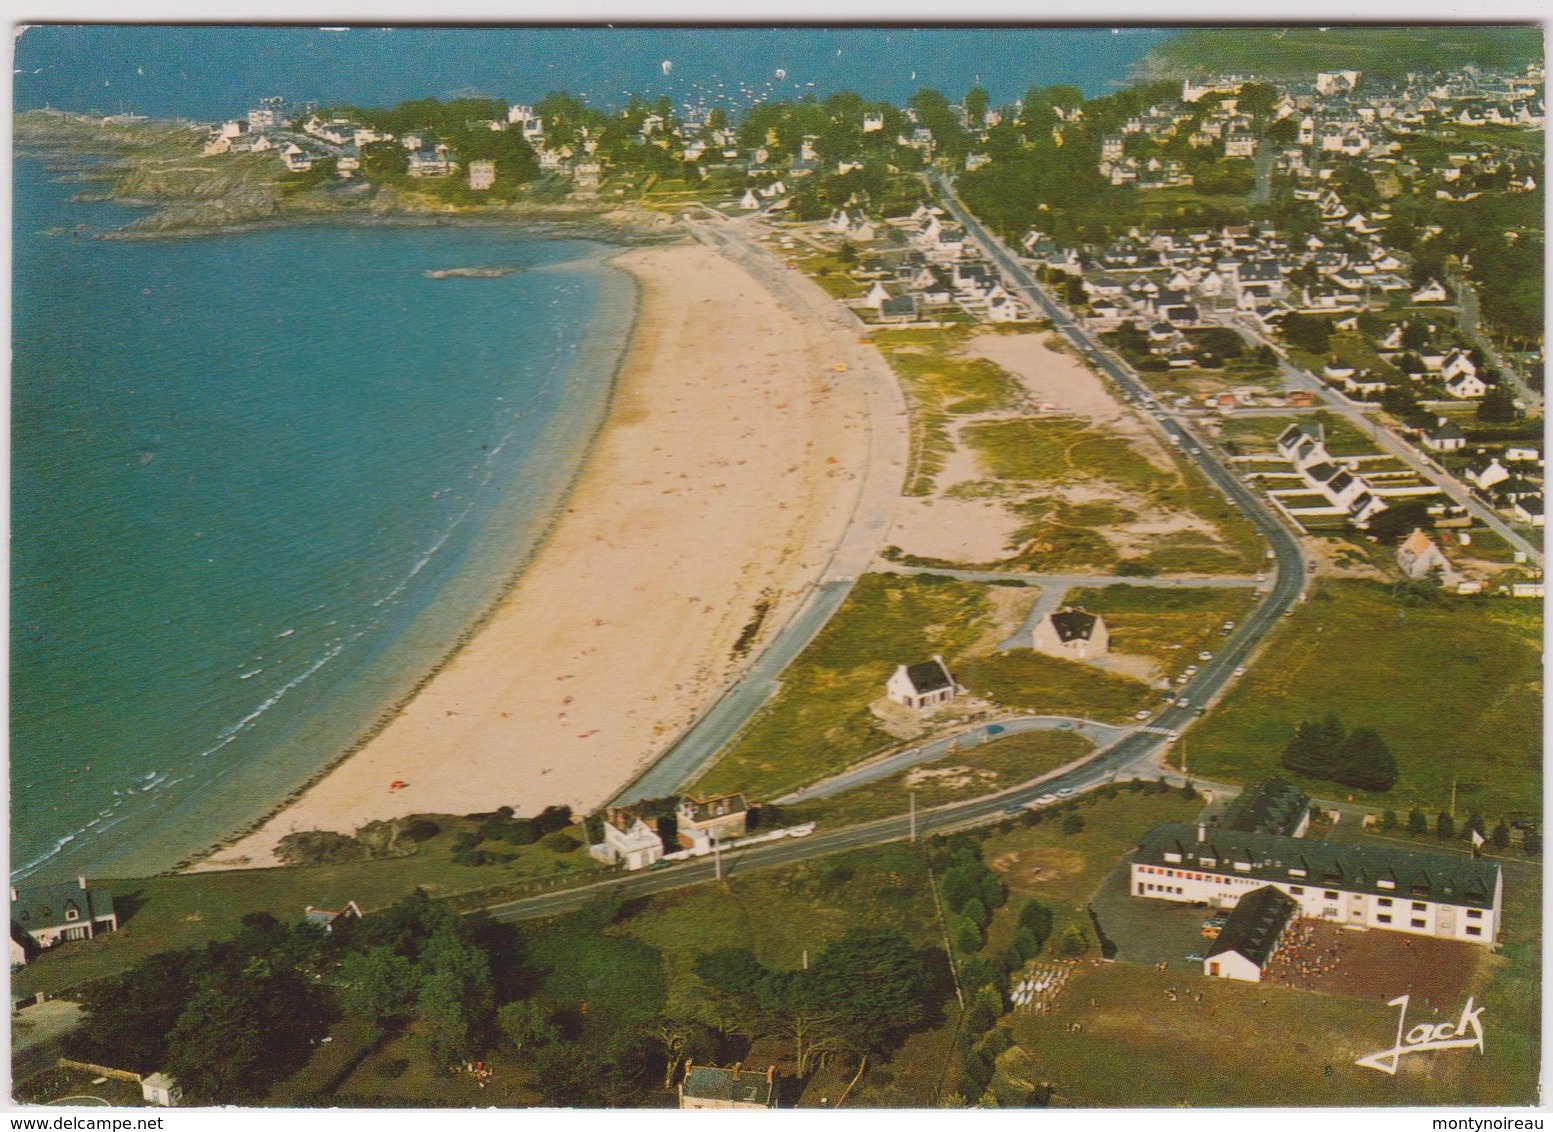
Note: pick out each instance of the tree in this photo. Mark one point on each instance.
(1313, 750)
(1073, 823)
(1308, 332)
(1500, 838)
(1366, 761)
(1073, 943)
(976, 912)
(1388, 821)
(967, 937)
(126, 1020)
(1399, 400)
(1531, 841)
(1497, 406)
(1417, 822)
(379, 983)
(1037, 918)
(527, 1025)
(455, 998)
(976, 102)
(961, 884)
(1444, 826)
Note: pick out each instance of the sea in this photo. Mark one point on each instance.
(261, 485)
(264, 483)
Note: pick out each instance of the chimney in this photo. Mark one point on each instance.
(82, 880)
(1202, 832)
(736, 1065)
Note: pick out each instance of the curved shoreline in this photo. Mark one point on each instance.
(627, 290)
(698, 403)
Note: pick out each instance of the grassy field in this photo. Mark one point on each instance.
(1062, 451)
(187, 910)
(1252, 435)
(940, 383)
(1148, 620)
(819, 722)
(1454, 687)
(1024, 680)
(990, 766)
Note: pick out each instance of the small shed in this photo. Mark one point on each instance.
(160, 1089)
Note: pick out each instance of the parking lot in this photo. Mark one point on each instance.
(1149, 931)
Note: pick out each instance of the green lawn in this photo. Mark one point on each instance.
(1028, 681)
(990, 766)
(819, 722)
(940, 383)
(1147, 620)
(1453, 687)
(187, 910)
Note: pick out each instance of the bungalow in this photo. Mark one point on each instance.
(325, 917)
(749, 202)
(297, 159)
(701, 822)
(1486, 471)
(1444, 435)
(1420, 556)
(1072, 633)
(161, 1090)
(1365, 385)
(1250, 936)
(900, 308)
(1465, 386)
(877, 296)
(1457, 362)
(1431, 292)
(707, 1086)
(921, 685)
(435, 162)
(47, 914)
(628, 840)
(1528, 509)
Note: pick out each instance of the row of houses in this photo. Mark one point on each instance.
(634, 839)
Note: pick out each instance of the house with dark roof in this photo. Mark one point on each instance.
(707, 1086)
(325, 917)
(1249, 938)
(921, 685)
(701, 821)
(1362, 886)
(1074, 634)
(1273, 805)
(43, 915)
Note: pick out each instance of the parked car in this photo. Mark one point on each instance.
(1065, 792)
(1190, 670)
(1046, 799)
(1144, 714)
(1015, 808)
(1241, 671)
(1205, 655)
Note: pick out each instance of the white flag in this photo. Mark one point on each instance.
(1477, 840)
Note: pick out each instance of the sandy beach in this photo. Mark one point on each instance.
(724, 475)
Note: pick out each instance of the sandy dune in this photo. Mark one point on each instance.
(723, 477)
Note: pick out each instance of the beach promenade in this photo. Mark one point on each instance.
(725, 478)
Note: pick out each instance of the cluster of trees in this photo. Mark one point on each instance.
(1309, 332)
(1359, 758)
(971, 892)
(231, 1019)
(502, 827)
(858, 997)
(1446, 829)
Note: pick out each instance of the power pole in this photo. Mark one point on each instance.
(717, 855)
(1453, 799)
(913, 815)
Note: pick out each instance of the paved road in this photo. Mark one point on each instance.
(1101, 735)
(873, 512)
(1387, 441)
(1467, 321)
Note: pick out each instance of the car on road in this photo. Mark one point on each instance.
(1065, 725)
(1144, 714)
(1241, 671)
(1046, 799)
(1015, 808)
(1271, 555)
(995, 729)
(1195, 451)
(1229, 626)
(1065, 792)
(1183, 701)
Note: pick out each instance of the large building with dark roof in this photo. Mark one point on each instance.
(1273, 805)
(1364, 886)
(45, 914)
(1250, 936)
(707, 1086)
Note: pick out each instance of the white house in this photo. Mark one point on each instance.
(1075, 634)
(1486, 471)
(297, 159)
(160, 1089)
(1431, 292)
(1465, 386)
(47, 914)
(749, 202)
(1364, 886)
(628, 840)
(921, 685)
(1444, 435)
(1419, 557)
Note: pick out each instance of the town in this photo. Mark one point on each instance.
(1196, 677)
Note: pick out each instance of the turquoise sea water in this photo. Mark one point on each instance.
(261, 483)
